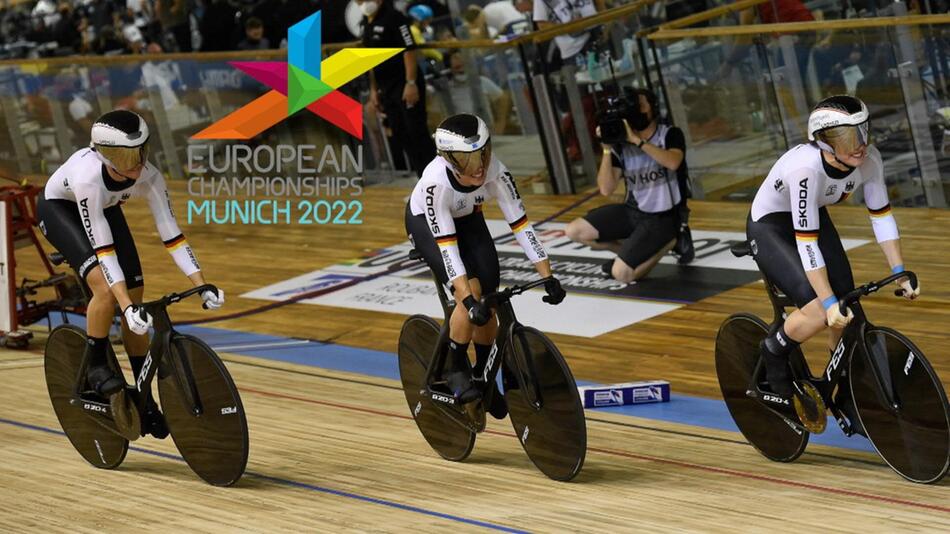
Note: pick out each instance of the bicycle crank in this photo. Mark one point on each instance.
(810, 408)
(128, 423)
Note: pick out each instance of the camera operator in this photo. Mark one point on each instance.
(651, 159)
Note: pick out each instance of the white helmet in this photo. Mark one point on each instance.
(465, 142)
(834, 112)
(120, 137)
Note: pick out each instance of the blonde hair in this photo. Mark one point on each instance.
(122, 158)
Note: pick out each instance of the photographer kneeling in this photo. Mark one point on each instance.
(651, 159)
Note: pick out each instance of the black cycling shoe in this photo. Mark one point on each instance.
(463, 387)
(104, 381)
(607, 268)
(778, 375)
(153, 422)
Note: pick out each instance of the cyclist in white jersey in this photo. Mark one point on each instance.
(80, 214)
(445, 223)
(794, 241)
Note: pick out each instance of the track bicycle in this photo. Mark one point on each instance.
(876, 383)
(543, 402)
(199, 400)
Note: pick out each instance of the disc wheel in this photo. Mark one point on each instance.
(737, 352)
(63, 356)
(417, 342)
(912, 432)
(203, 410)
(544, 405)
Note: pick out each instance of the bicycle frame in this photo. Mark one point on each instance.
(507, 325)
(852, 339)
(158, 348)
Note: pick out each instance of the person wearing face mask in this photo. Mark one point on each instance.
(80, 214)
(495, 101)
(397, 87)
(794, 240)
(652, 163)
(446, 226)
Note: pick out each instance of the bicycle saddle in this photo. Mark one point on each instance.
(741, 249)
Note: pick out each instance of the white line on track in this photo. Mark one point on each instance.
(265, 345)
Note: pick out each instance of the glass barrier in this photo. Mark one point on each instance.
(729, 115)
(741, 101)
(935, 56)
(744, 100)
(49, 107)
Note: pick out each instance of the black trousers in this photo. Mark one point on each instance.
(410, 127)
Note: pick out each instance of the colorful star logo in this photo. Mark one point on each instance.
(303, 82)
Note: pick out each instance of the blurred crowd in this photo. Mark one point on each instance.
(44, 28)
(37, 28)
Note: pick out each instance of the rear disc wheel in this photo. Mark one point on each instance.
(417, 342)
(63, 356)
(737, 353)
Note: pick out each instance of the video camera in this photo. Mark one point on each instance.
(620, 108)
(612, 129)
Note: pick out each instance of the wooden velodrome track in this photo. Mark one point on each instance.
(334, 451)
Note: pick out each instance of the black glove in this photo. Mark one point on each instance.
(555, 293)
(478, 312)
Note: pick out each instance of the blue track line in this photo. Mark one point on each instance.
(302, 485)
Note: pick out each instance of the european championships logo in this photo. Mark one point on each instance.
(304, 81)
(269, 176)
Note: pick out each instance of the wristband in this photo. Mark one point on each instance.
(897, 269)
(829, 302)
(410, 82)
(608, 152)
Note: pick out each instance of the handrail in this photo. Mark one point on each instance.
(97, 61)
(229, 55)
(468, 43)
(794, 27)
(709, 14)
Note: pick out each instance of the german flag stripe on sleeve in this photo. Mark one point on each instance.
(519, 225)
(882, 212)
(105, 250)
(806, 235)
(446, 240)
(175, 242)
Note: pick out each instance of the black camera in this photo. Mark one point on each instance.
(612, 129)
